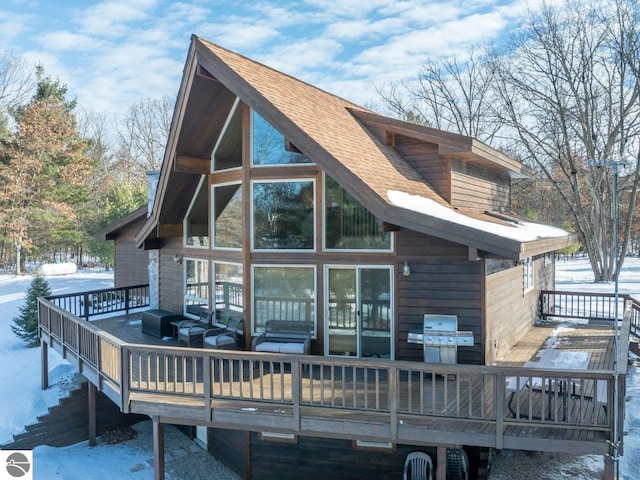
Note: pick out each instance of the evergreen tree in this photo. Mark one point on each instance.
(25, 325)
(43, 172)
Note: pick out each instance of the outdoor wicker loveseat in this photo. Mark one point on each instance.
(284, 336)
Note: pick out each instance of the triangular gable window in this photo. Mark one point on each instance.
(227, 152)
(348, 224)
(269, 146)
(196, 222)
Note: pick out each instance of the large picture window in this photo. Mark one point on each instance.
(227, 216)
(284, 215)
(283, 293)
(196, 222)
(196, 286)
(270, 147)
(348, 224)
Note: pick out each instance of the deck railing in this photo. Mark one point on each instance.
(394, 394)
(590, 306)
(103, 302)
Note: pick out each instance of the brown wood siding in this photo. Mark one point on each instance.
(477, 188)
(424, 157)
(131, 263)
(511, 312)
(231, 447)
(326, 458)
(442, 281)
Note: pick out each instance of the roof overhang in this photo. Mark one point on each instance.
(467, 149)
(484, 232)
(111, 231)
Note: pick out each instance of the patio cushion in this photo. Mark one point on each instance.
(273, 347)
(280, 347)
(194, 330)
(219, 340)
(292, 347)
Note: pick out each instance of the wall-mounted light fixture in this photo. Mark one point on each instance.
(177, 258)
(406, 269)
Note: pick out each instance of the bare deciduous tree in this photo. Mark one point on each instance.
(571, 95)
(16, 82)
(565, 94)
(142, 136)
(450, 93)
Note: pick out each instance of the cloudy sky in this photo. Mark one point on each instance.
(114, 53)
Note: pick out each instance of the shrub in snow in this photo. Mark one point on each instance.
(25, 325)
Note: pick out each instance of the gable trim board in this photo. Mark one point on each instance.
(335, 135)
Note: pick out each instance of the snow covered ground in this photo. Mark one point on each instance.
(21, 399)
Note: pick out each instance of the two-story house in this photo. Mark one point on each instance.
(304, 207)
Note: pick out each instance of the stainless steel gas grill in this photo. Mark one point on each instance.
(440, 338)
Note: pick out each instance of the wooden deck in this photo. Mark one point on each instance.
(517, 404)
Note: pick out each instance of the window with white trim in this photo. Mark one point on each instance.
(348, 225)
(527, 268)
(196, 221)
(283, 215)
(196, 286)
(282, 292)
(227, 216)
(269, 147)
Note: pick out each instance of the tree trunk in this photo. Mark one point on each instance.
(18, 257)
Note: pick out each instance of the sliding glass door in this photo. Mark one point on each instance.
(359, 311)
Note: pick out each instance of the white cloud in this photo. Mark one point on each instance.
(347, 8)
(110, 18)
(62, 40)
(239, 34)
(358, 29)
(113, 53)
(12, 25)
(296, 58)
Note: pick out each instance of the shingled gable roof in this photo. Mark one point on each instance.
(334, 134)
(111, 231)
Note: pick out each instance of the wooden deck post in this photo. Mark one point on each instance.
(441, 459)
(92, 414)
(609, 473)
(44, 365)
(158, 449)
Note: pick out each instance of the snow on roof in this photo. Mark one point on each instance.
(521, 232)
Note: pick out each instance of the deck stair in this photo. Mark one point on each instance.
(68, 422)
